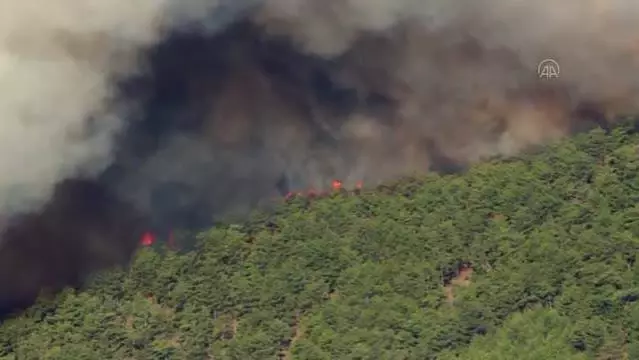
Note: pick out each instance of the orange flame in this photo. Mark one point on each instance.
(147, 239)
(312, 193)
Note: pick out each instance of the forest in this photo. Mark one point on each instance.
(530, 258)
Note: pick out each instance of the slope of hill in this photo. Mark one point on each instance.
(526, 258)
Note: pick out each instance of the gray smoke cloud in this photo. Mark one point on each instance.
(462, 76)
(464, 73)
(58, 62)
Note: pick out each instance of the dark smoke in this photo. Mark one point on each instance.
(175, 115)
(83, 228)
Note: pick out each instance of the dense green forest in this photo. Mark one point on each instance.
(526, 258)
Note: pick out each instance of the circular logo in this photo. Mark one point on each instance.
(548, 69)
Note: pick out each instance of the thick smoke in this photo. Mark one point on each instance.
(464, 73)
(372, 90)
(179, 110)
(458, 75)
(57, 66)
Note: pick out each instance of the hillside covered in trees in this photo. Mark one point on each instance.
(530, 258)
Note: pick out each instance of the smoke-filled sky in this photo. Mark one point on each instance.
(458, 75)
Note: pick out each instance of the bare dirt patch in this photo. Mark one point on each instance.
(461, 279)
(298, 332)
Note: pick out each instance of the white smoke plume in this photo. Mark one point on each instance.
(58, 61)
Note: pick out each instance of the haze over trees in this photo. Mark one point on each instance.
(525, 258)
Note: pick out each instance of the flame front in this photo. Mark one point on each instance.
(149, 238)
(336, 185)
